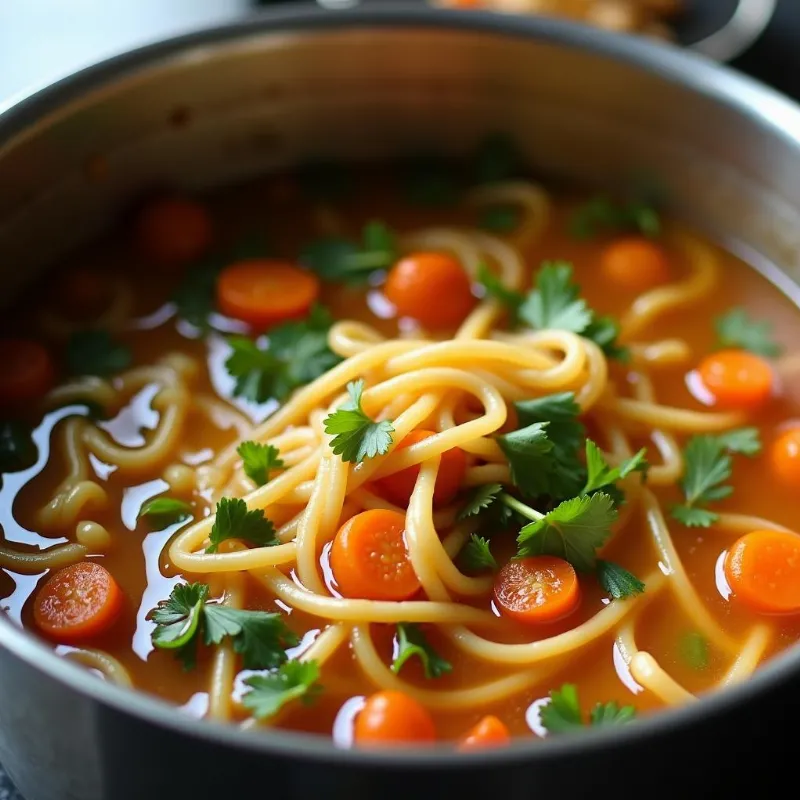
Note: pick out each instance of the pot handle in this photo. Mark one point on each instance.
(747, 23)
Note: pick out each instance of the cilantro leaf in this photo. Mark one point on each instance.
(500, 218)
(573, 530)
(744, 441)
(260, 637)
(164, 511)
(259, 373)
(736, 329)
(17, 448)
(95, 353)
(411, 641)
(178, 619)
(617, 581)
(294, 680)
(234, 521)
(529, 454)
(693, 649)
(481, 498)
(603, 331)
(609, 714)
(554, 301)
(258, 460)
(497, 159)
(496, 289)
(694, 517)
(195, 297)
(602, 477)
(563, 713)
(602, 214)
(477, 555)
(357, 436)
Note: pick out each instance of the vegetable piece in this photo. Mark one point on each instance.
(390, 718)
(411, 641)
(693, 649)
(431, 288)
(293, 680)
(196, 296)
(234, 521)
(96, 353)
(488, 732)
(188, 616)
(635, 264)
(258, 460)
(452, 467)
(617, 581)
(357, 436)
(602, 214)
(480, 499)
(174, 231)
(496, 289)
(369, 557)
(602, 477)
(17, 448)
(708, 465)
(477, 554)
(735, 329)
(27, 374)
(79, 602)
(298, 353)
(263, 292)
(163, 511)
(537, 590)
(736, 380)
(784, 458)
(500, 218)
(574, 530)
(563, 713)
(763, 571)
(529, 452)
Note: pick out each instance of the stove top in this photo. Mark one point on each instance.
(44, 39)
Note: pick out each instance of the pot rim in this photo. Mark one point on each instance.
(746, 96)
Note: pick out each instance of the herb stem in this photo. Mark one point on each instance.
(520, 507)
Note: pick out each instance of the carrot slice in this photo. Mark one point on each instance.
(369, 557)
(27, 371)
(763, 571)
(537, 589)
(635, 264)
(263, 292)
(432, 288)
(736, 379)
(784, 458)
(399, 486)
(489, 732)
(174, 231)
(390, 718)
(79, 602)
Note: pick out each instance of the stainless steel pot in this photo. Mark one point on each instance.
(219, 104)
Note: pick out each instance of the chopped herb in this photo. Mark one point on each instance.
(529, 452)
(574, 530)
(96, 353)
(563, 713)
(234, 521)
(693, 649)
(294, 680)
(708, 465)
(188, 616)
(480, 499)
(258, 460)
(496, 289)
(736, 329)
(195, 297)
(477, 555)
(297, 354)
(617, 581)
(17, 448)
(500, 218)
(497, 159)
(601, 215)
(164, 511)
(355, 435)
(603, 331)
(411, 641)
(602, 477)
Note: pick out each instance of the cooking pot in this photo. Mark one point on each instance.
(364, 83)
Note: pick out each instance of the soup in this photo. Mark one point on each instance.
(402, 456)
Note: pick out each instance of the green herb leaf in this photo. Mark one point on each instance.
(744, 441)
(617, 581)
(602, 477)
(736, 329)
(95, 353)
(529, 452)
(234, 521)
(496, 289)
(294, 680)
(195, 297)
(477, 555)
(481, 498)
(178, 619)
(357, 436)
(603, 331)
(607, 714)
(497, 159)
(563, 713)
(164, 511)
(259, 373)
(554, 301)
(602, 214)
(500, 218)
(411, 641)
(17, 448)
(693, 649)
(258, 460)
(573, 530)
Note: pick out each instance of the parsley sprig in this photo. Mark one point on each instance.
(188, 617)
(356, 435)
(165, 511)
(476, 555)
(563, 713)
(412, 642)
(234, 521)
(736, 329)
(293, 680)
(603, 214)
(258, 460)
(708, 466)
